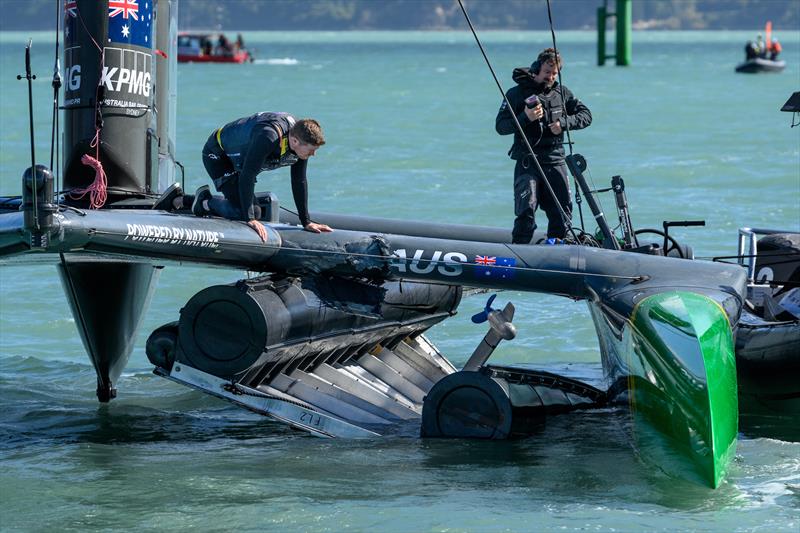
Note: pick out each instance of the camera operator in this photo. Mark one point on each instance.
(544, 110)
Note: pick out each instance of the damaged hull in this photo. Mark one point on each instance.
(664, 324)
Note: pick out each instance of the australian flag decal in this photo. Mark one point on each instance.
(70, 21)
(487, 266)
(131, 22)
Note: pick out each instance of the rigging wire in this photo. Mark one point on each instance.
(578, 198)
(569, 143)
(54, 145)
(560, 83)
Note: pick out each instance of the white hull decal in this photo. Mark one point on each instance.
(173, 235)
(447, 264)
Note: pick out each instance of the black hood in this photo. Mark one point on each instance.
(524, 78)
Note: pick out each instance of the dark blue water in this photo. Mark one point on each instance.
(409, 119)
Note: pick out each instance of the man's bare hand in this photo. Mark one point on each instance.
(260, 229)
(534, 113)
(313, 227)
(555, 128)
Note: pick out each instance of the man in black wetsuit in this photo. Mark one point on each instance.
(543, 119)
(237, 152)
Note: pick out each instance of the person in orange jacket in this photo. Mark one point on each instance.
(774, 49)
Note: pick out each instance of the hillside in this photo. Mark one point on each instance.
(334, 15)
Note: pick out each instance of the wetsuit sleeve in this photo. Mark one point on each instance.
(504, 123)
(300, 190)
(263, 142)
(578, 115)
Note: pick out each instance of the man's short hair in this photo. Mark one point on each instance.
(308, 131)
(548, 55)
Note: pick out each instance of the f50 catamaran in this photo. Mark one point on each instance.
(329, 337)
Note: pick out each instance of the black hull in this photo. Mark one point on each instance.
(754, 66)
(768, 360)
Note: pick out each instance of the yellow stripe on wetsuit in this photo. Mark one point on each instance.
(284, 140)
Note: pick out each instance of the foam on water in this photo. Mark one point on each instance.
(277, 61)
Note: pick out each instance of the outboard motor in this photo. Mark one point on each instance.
(109, 95)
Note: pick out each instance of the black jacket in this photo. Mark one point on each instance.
(253, 145)
(547, 147)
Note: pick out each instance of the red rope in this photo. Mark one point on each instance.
(97, 191)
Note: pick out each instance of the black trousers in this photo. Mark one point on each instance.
(530, 192)
(227, 181)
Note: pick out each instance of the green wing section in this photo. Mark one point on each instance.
(685, 377)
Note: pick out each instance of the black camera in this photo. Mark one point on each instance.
(532, 101)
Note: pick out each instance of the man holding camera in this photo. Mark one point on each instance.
(545, 110)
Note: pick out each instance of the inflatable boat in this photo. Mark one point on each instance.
(760, 64)
(768, 333)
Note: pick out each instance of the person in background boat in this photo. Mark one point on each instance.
(237, 152)
(761, 50)
(239, 42)
(774, 49)
(224, 46)
(544, 120)
(750, 51)
(208, 48)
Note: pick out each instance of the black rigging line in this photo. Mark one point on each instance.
(56, 91)
(30, 77)
(578, 199)
(560, 84)
(564, 217)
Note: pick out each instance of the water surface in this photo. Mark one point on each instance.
(409, 119)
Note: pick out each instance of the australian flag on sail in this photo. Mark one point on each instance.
(495, 267)
(131, 22)
(70, 21)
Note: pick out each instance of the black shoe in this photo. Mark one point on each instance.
(203, 193)
(165, 201)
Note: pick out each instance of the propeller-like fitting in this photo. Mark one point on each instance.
(483, 316)
(500, 328)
